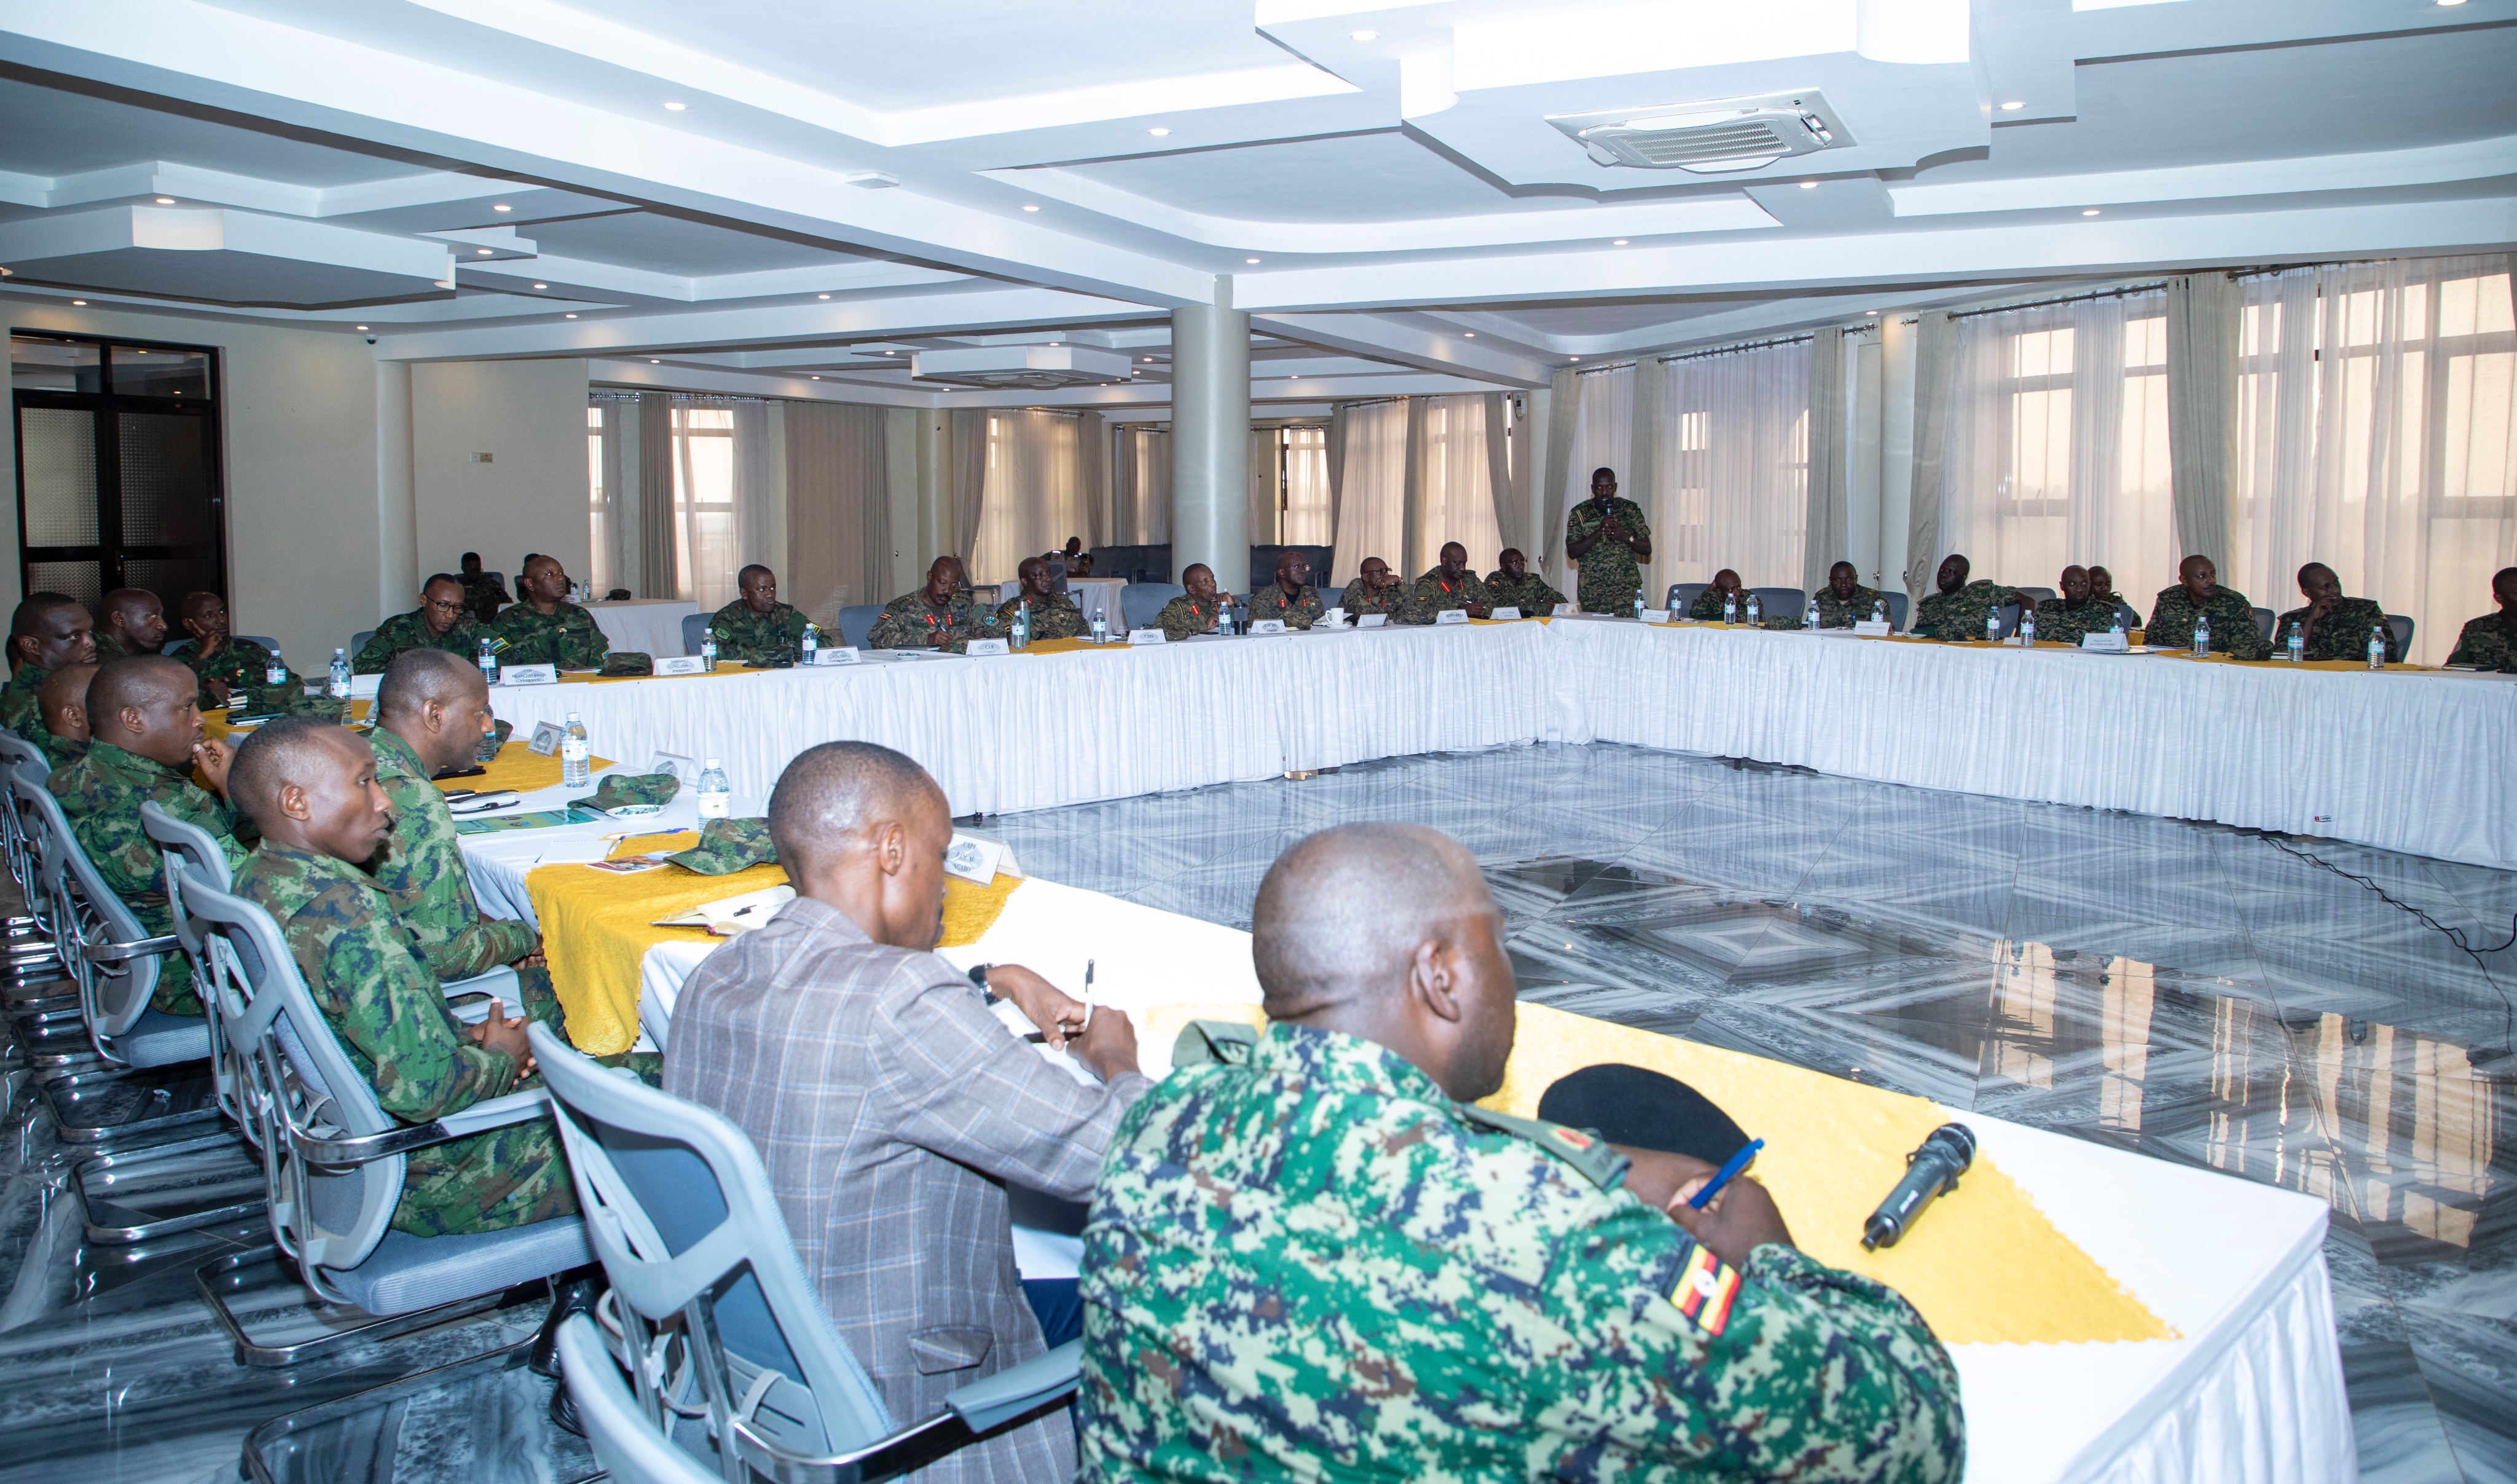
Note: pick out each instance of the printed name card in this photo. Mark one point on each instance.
(1452, 615)
(547, 736)
(1147, 636)
(1507, 613)
(1566, 610)
(974, 859)
(981, 649)
(529, 674)
(363, 686)
(1370, 620)
(681, 665)
(1870, 629)
(1655, 616)
(2109, 643)
(1268, 626)
(837, 654)
(685, 769)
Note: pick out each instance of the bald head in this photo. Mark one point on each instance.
(417, 678)
(833, 794)
(142, 704)
(63, 701)
(282, 751)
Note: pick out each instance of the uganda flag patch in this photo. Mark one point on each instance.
(1706, 1284)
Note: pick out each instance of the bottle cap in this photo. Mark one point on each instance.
(712, 762)
(572, 716)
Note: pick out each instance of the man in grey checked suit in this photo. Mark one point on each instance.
(890, 1104)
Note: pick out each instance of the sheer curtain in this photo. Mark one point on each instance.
(606, 483)
(2377, 433)
(838, 509)
(2057, 449)
(1307, 520)
(1454, 487)
(1604, 436)
(720, 456)
(1034, 499)
(1372, 513)
(1143, 480)
(1733, 477)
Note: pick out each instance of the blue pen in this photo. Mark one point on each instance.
(1721, 1178)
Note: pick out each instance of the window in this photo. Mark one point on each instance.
(703, 533)
(1733, 488)
(598, 501)
(1306, 518)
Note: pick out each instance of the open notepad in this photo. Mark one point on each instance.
(733, 915)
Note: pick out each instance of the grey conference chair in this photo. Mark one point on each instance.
(1683, 596)
(2130, 620)
(1140, 602)
(1773, 601)
(857, 621)
(2041, 594)
(31, 961)
(1896, 602)
(695, 627)
(628, 1445)
(2401, 629)
(359, 641)
(333, 1159)
(2264, 619)
(44, 1004)
(682, 1215)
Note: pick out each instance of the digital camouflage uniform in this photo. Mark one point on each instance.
(1055, 617)
(20, 711)
(1707, 609)
(382, 999)
(1844, 612)
(911, 622)
(1313, 1264)
(1610, 574)
(2060, 621)
(484, 596)
(2489, 642)
(1185, 617)
(566, 637)
(2233, 623)
(421, 868)
(59, 751)
(241, 664)
(101, 795)
(109, 647)
(1960, 615)
(1434, 593)
(758, 638)
(1300, 611)
(2342, 634)
(404, 632)
(1529, 592)
(1359, 599)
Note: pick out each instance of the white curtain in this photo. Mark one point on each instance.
(2377, 433)
(2056, 451)
(1733, 477)
(1034, 499)
(1603, 438)
(1143, 480)
(1454, 487)
(1372, 514)
(721, 493)
(1306, 520)
(607, 419)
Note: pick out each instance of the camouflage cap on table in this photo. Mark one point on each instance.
(622, 788)
(727, 846)
(628, 662)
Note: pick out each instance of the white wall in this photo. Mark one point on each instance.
(529, 417)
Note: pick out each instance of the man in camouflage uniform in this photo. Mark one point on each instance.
(2102, 586)
(1290, 598)
(440, 623)
(231, 670)
(1957, 612)
(545, 628)
(132, 622)
(2077, 614)
(2197, 593)
(2335, 627)
(938, 616)
(146, 738)
(64, 736)
(482, 594)
(311, 787)
(1053, 615)
(1375, 591)
(1724, 587)
(2489, 642)
(47, 631)
(1608, 537)
(1311, 1256)
(432, 710)
(1447, 586)
(1513, 585)
(1844, 602)
(756, 629)
(1192, 612)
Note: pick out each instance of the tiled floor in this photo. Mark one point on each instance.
(2185, 991)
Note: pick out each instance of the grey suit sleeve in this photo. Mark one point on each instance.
(966, 1088)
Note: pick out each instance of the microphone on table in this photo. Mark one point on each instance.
(1931, 1171)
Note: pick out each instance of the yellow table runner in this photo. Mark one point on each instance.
(598, 925)
(1984, 1265)
(520, 768)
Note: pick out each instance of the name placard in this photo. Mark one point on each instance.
(837, 654)
(1370, 620)
(1268, 626)
(981, 649)
(529, 674)
(2108, 643)
(1505, 615)
(547, 736)
(1871, 629)
(681, 665)
(685, 769)
(363, 686)
(1565, 611)
(1147, 636)
(1452, 615)
(974, 859)
(1655, 616)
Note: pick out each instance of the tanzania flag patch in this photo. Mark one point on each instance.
(1705, 1288)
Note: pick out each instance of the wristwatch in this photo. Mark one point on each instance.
(979, 977)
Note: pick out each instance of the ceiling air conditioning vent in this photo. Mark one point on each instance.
(1720, 137)
(1023, 367)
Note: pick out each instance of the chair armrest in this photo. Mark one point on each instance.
(499, 1112)
(125, 953)
(504, 983)
(1017, 1389)
(349, 1153)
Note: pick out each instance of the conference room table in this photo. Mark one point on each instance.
(2404, 759)
(2096, 1333)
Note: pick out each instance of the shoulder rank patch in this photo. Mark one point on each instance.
(1214, 1040)
(1590, 1156)
(1706, 1284)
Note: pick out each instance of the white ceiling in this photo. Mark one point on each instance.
(1418, 224)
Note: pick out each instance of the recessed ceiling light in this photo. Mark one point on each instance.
(1160, 133)
(1052, 345)
(442, 283)
(1297, 377)
(674, 108)
(2092, 211)
(817, 378)
(1027, 206)
(655, 362)
(1367, 35)
(1472, 335)
(1250, 260)
(483, 252)
(1149, 358)
(1577, 357)
(821, 296)
(502, 206)
(541, 286)
(572, 316)
(2014, 106)
(165, 200)
(1870, 312)
(144, 352)
(2450, 2)
(1619, 243)
(80, 301)
(1809, 184)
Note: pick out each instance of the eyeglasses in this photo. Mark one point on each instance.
(443, 606)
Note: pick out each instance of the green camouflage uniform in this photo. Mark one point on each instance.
(1184, 617)
(909, 622)
(1300, 611)
(1960, 615)
(1610, 576)
(2060, 621)
(1306, 1262)
(2489, 642)
(1358, 600)
(101, 797)
(59, 751)
(20, 711)
(1055, 617)
(409, 631)
(1529, 592)
(109, 647)
(2233, 624)
(1844, 612)
(241, 663)
(2342, 634)
(1434, 593)
(484, 596)
(566, 637)
(383, 1001)
(421, 868)
(758, 638)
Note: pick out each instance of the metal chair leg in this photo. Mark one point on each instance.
(102, 1180)
(218, 1277)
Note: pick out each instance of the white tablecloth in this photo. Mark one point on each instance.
(2412, 762)
(646, 625)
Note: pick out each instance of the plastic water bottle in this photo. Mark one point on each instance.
(2376, 646)
(2201, 636)
(707, 646)
(2297, 644)
(338, 684)
(1022, 624)
(276, 672)
(1224, 614)
(574, 754)
(1879, 610)
(488, 663)
(1756, 611)
(1639, 604)
(715, 796)
(2027, 627)
(1993, 626)
(2114, 625)
(810, 645)
(1100, 627)
(1730, 608)
(1809, 620)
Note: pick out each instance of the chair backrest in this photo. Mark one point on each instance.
(680, 1211)
(16, 752)
(85, 911)
(857, 621)
(2265, 617)
(186, 847)
(294, 1078)
(2402, 627)
(359, 641)
(1683, 596)
(2130, 619)
(1786, 602)
(695, 627)
(2041, 594)
(1140, 602)
(630, 1445)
